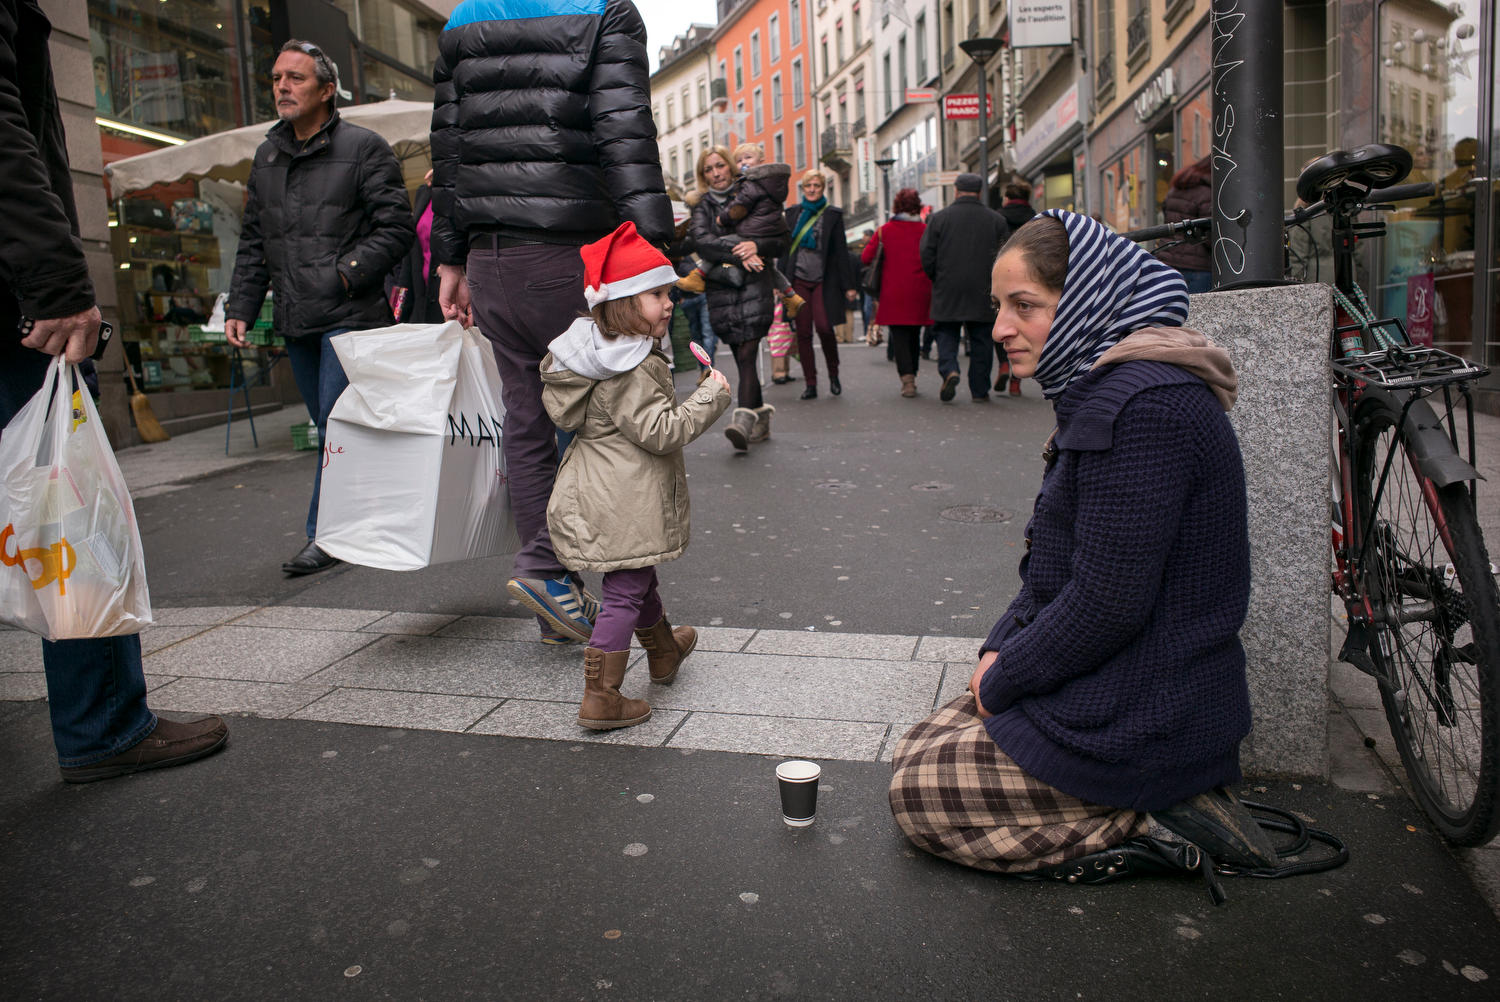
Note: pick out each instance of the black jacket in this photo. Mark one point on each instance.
(958, 251)
(1016, 214)
(838, 273)
(541, 125)
(332, 206)
(43, 273)
(738, 314)
(421, 286)
(1192, 202)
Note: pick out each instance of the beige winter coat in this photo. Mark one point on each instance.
(621, 498)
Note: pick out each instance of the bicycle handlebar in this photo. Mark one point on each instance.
(1188, 228)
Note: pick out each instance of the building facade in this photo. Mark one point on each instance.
(763, 54)
(906, 105)
(842, 74)
(682, 104)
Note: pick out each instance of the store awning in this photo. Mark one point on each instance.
(226, 156)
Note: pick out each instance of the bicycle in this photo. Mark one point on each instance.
(1408, 559)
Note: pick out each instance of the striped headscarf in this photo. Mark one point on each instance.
(1113, 287)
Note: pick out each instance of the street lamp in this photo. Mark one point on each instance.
(884, 163)
(982, 50)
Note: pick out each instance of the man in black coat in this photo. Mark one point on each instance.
(96, 689)
(542, 141)
(326, 220)
(958, 248)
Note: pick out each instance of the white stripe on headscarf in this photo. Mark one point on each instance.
(1112, 287)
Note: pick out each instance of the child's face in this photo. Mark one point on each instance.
(748, 159)
(656, 309)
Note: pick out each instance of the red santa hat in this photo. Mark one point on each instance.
(622, 265)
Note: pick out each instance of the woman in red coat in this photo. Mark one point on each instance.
(905, 298)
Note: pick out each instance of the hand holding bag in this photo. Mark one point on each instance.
(71, 563)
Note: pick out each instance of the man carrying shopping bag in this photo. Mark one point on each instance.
(326, 220)
(96, 689)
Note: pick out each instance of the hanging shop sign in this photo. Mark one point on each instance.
(921, 95)
(966, 106)
(1155, 94)
(1040, 22)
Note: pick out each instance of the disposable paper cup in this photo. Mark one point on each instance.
(798, 781)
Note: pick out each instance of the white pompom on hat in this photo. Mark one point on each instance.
(621, 265)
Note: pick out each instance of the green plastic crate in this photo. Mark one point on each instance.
(305, 436)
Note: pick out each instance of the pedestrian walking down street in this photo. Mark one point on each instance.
(620, 505)
(326, 220)
(1190, 196)
(96, 689)
(542, 141)
(821, 272)
(413, 285)
(741, 291)
(1114, 686)
(958, 249)
(904, 306)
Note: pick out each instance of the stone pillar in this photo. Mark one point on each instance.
(73, 73)
(1278, 340)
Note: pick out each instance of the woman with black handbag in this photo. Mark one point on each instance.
(741, 293)
(893, 275)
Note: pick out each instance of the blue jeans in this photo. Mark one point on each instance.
(96, 689)
(695, 308)
(980, 358)
(1198, 281)
(320, 379)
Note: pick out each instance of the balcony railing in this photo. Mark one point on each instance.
(948, 59)
(718, 89)
(1104, 73)
(838, 147)
(858, 128)
(1137, 34)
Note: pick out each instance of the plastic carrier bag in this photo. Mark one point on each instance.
(71, 564)
(412, 469)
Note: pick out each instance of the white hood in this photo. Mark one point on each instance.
(583, 349)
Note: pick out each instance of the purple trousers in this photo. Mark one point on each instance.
(628, 602)
(523, 297)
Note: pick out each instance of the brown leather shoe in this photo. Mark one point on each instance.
(666, 648)
(171, 742)
(603, 707)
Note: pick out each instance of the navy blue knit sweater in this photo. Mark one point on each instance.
(1120, 678)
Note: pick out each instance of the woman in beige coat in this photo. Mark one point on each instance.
(620, 503)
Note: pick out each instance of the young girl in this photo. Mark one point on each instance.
(620, 504)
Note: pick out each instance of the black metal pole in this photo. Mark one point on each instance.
(984, 141)
(1246, 50)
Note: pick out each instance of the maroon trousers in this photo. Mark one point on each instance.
(814, 316)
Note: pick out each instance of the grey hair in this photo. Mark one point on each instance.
(323, 67)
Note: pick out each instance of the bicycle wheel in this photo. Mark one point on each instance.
(1436, 629)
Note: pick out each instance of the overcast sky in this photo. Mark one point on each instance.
(666, 19)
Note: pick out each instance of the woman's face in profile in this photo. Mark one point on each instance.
(1024, 311)
(716, 171)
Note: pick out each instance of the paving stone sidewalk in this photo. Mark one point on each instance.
(773, 692)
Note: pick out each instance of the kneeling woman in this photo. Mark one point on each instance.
(1114, 685)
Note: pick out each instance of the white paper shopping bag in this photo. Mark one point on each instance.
(412, 469)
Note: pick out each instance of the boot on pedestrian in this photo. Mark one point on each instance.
(603, 707)
(909, 385)
(762, 428)
(740, 424)
(666, 647)
(780, 370)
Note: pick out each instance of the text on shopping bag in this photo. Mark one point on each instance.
(54, 563)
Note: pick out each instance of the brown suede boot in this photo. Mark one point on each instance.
(666, 648)
(791, 305)
(908, 386)
(691, 282)
(603, 707)
(741, 422)
(761, 430)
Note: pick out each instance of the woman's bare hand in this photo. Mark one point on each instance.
(985, 661)
(745, 249)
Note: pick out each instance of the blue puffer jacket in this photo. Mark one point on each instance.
(541, 126)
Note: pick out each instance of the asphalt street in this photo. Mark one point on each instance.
(864, 512)
(315, 859)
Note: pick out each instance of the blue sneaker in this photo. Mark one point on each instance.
(556, 601)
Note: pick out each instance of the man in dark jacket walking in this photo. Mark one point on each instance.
(96, 689)
(958, 248)
(326, 220)
(542, 141)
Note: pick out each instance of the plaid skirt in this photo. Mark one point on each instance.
(956, 795)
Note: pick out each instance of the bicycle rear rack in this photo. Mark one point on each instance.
(1402, 367)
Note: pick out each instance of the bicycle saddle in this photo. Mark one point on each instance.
(1372, 166)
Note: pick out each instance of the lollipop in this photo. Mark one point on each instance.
(700, 354)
